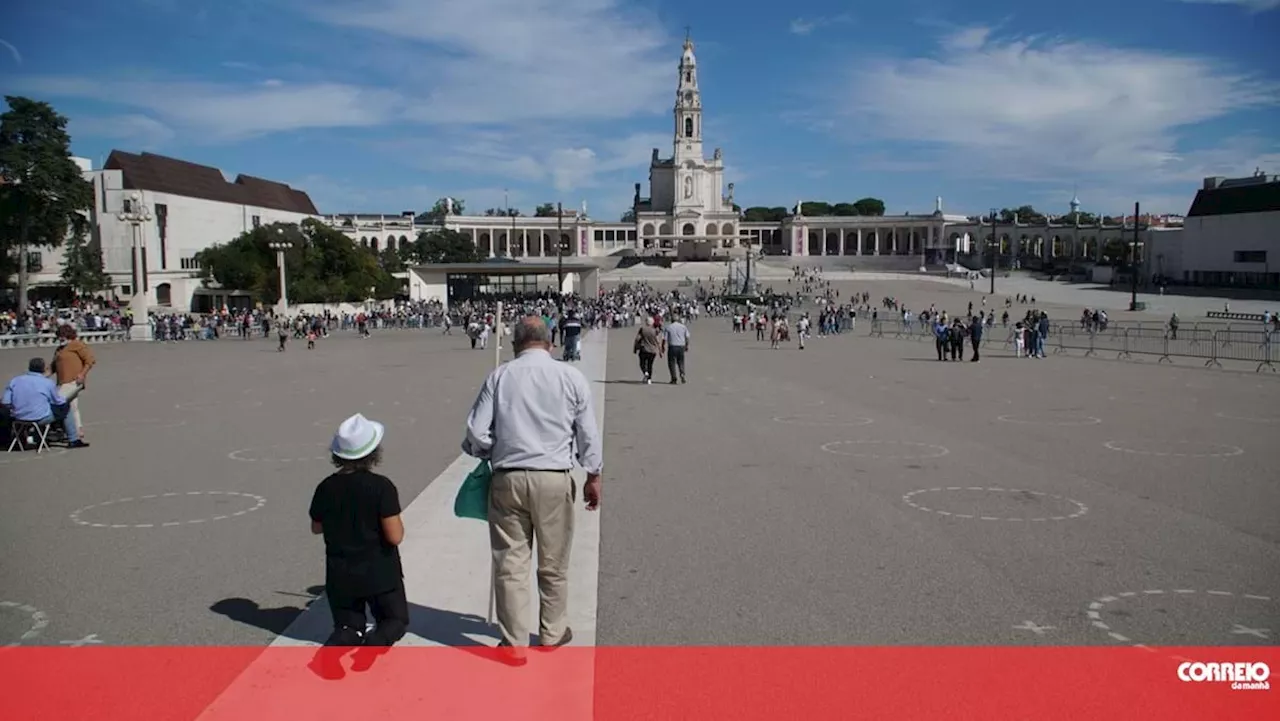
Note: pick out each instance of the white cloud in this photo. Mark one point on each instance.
(229, 112)
(17, 56)
(800, 26)
(1040, 109)
(137, 130)
(805, 26)
(508, 61)
(1256, 6)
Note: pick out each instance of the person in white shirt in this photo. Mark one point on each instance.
(802, 329)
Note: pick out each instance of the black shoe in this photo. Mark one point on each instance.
(78, 444)
(564, 641)
(682, 380)
(673, 381)
(511, 655)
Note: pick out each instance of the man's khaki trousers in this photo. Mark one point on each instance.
(524, 507)
(70, 391)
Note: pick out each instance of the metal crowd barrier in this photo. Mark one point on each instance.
(1200, 342)
(44, 340)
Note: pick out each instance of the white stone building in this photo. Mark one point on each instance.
(192, 207)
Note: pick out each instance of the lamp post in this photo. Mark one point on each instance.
(995, 247)
(560, 259)
(1133, 259)
(280, 246)
(135, 215)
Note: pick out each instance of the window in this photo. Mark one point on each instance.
(126, 205)
(257, 221)
(189, 263)
(35, 262)
(688, 76)
(688, 127)
(599, 236)
(162, 225)
(1251, 256)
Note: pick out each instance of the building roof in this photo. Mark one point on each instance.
(511, 267)
(1234, 199)
(161, 174)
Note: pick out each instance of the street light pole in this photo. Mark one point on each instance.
(995, 247)
(560, 259)
(280, 246)
(1133, 260)
(135, 216)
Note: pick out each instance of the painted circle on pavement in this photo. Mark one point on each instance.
(237, 404)
(35, 620)
(244, 503)
(1049, 419)
(138, 423)
(283, 453)
(1175, 449)
(28, 456)
(1101, 604)
(823, 420)
(905, 450)
(1069, 508)
(1248, 419)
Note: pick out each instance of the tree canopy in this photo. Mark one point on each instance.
(323, 266)
(444, 246)
(436, 214)
(44, 197)
(864, 207)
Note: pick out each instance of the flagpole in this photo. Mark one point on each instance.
(491, 607)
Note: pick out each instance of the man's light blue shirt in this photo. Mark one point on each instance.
(31, 397)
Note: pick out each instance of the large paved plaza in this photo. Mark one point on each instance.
(854, 493)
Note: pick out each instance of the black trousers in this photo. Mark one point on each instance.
(390, 612)
(975, 342)
(942, 348)
(646, 363)
(675, 360)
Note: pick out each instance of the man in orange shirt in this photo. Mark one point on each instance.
(72, 363)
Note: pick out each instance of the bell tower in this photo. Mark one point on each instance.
(688, 110)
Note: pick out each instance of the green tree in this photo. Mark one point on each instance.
(82, 264)
(545, 210)
(815, 208)
(759, 214)
(501, 213)
(436, 214)
(445, 246)
(869, 206)
(323, 266)
(628, 217)
(43, 195)
(391, 260)
(845, 209)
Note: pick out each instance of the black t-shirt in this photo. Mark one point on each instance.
(350, 507)
(572, 328)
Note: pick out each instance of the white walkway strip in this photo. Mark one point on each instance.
(447, 566)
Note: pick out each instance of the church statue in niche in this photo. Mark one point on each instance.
(688, 187)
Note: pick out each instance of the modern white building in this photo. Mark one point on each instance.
(1228, 238)
(191, 207)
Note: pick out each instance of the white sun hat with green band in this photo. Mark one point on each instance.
(357, 437)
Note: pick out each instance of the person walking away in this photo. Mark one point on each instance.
(571, 334)
(282, 330)
(940, 338)
(71, 364)
(675, 343)
(802, 329)
(975, 335)
(34, 398)
(358, 513)
(530, 416)
(648, 347)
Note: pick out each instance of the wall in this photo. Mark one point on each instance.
(192, 225)
(1210, 243)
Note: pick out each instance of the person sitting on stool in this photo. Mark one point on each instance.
(33, 398)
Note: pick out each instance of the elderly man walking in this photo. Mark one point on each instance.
(530, 416)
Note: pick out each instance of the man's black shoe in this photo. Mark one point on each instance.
(78, 444)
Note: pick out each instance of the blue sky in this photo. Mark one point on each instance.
(386, 105)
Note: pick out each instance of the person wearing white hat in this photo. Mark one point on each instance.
(358, 513)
